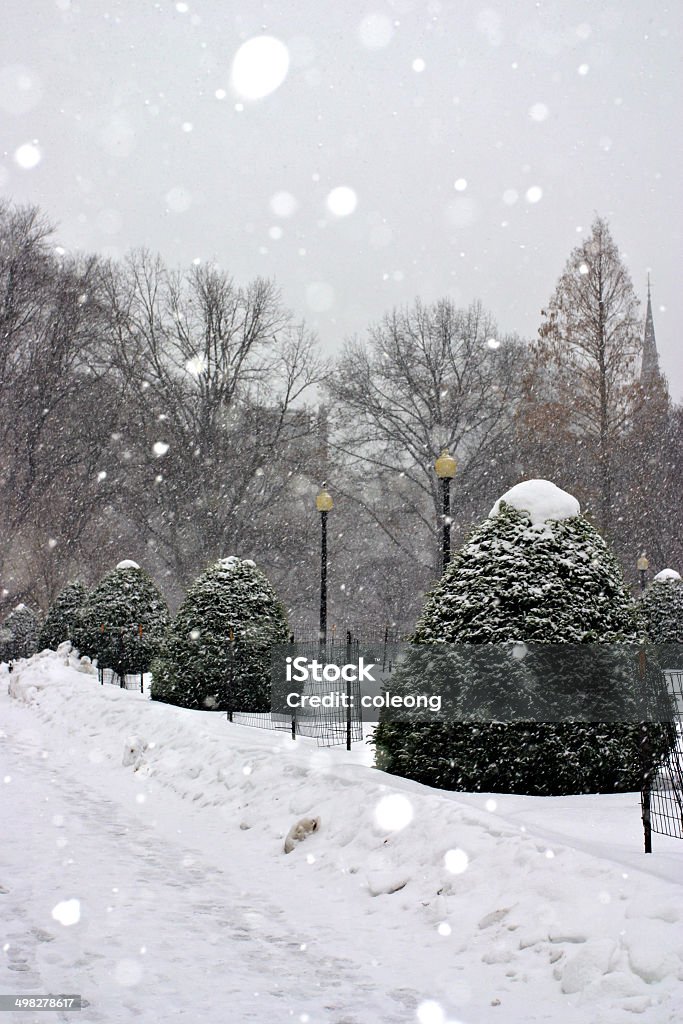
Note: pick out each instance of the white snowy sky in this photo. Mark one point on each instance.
(142, 142)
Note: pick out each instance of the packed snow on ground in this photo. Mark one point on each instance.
(542, 500)
(143, 867)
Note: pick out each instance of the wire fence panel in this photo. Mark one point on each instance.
(329, 726)
(662, 800)
(126, 680)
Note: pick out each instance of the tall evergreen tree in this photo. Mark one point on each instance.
(582, 393)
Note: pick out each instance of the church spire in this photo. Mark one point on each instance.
(649, 371)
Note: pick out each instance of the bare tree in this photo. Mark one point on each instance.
(56, 409)
(429, 377)
(217, 439)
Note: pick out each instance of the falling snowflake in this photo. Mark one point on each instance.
(260, 67)
(195, 366)
(342, 201)
(430, 1012)
(67, 912)
(28, 155)
(456, 861)
(538, 112)
(283, 204)
(393, 812)
(375, 31)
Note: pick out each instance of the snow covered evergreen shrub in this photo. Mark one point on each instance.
(200, 667)
(20, 633)
(662, 608)
(534, 570)
(63, 617)
(123, 621)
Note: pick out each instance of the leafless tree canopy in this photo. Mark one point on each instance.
(176, 417)
(429, 377)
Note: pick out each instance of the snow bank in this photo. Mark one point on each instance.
(527, 919)
(542, 500)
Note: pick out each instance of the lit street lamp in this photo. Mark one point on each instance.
(643, 566)
(445, 467)
(323, 503)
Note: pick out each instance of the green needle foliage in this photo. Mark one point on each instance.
(553, 582)
(217, 652)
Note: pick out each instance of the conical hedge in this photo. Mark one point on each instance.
(217, 652)
(533, 570)
(662, 608)
(64, 617)
(19, 638)
(124, 620)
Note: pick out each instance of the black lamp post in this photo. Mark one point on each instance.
(445, 467)
(323, 503)
(643, 566)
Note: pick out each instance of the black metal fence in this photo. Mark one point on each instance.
(662, 797)
(328, 726)
(335, 725)
(307, 632)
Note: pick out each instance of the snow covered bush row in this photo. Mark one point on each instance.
(215, 654)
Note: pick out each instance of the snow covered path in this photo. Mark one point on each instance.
(189, 910)
(166, 926)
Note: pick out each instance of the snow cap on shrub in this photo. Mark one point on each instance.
(666, 574)
(540, 499)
